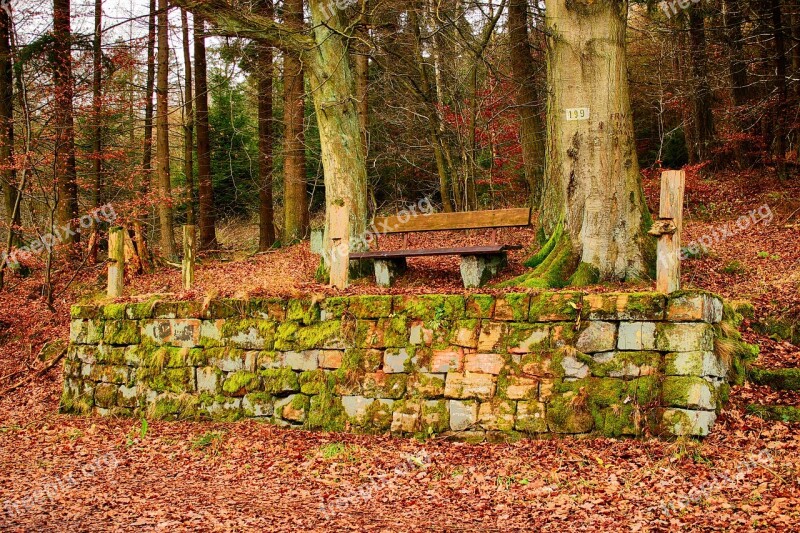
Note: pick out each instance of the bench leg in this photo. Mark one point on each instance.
(387, 270)
(477, 270)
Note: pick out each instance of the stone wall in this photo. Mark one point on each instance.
(477, 365)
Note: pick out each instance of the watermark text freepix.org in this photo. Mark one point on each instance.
(727, 230)
(103, 213)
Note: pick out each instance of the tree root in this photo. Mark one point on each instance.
(555, 266)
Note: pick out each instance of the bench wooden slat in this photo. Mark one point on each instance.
(499, 218)
(468, 250)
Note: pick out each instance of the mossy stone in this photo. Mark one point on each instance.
(240, 383)
(370, 306)
(303, 310)
(84, 311)
(430, 307)
(268, 309)
(480, 306)
(319, 335)
(279, 380)
(555, 307)
(121, 332)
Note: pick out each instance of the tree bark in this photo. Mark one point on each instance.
(147, 158)
(295, 202)
(188, 123)
(97, 119)
(8, 172)
(266, 222)
(523, 73)
(781, 87)
(65, 172)
(737, 66)
(702, 99)
(165, 214)
(593, 205)
(207, 217)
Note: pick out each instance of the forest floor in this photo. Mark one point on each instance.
(66, 473)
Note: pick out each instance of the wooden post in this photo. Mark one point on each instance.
(187, 266)
(116, 262)
(340, 246)
(668, 230)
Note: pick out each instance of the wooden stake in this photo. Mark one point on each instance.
(116, 262)
(668, 230)
(340, 246)
(189, 246)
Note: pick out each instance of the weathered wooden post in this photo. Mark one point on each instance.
(187, 266)
(340, 246)
(668, 230)
(116, 262)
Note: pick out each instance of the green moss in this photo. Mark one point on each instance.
(114, 311)
(778, 379)
(264, 330)
(584, 276)
(782, 413)
(335, 307)
(435, 417)
(139, 311)
(430, 307)
(241, 382)
(121, 332)
(285, 335)
(319, 335)
(261, 401)
(555, 306)
(548, 247)
(279, 380)
(370, 306)
(80, 403)
(480, 306)
(305, 311)
(175, 380)
(313, 382)
(553, 272)
(379, 415)
(326, 412)
(624, 361)
(84, 311)
(174, 407)
(684, 391)
(568, 413)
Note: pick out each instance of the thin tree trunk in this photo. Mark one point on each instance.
(593, 206)
(165, 214)
(737, 66)
(65, 172)
(701, 90)
(147, 151)
(295, 201)
(207, 218)
(8, 171)
(266, 218)
(523, 72)
(781, 87)
(97, 133)
(188, 123)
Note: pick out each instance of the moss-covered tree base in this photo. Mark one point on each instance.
(555, 265)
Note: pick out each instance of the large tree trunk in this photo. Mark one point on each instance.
(65, 172)
(264, 71)
(8, 172)
(165, 214)
(593, 206)
(333, 86)
(188, 122)
(295, 201)
(701, 90)
(523, 72)
(207, 219)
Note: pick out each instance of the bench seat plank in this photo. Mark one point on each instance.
(464, 251)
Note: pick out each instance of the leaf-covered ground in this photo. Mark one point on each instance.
(66, 473)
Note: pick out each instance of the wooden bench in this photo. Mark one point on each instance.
(479, 264)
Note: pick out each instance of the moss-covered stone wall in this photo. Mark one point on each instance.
(478, 365)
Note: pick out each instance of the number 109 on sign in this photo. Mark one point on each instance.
(578, 113)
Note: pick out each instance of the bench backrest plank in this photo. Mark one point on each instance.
(498, 218)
